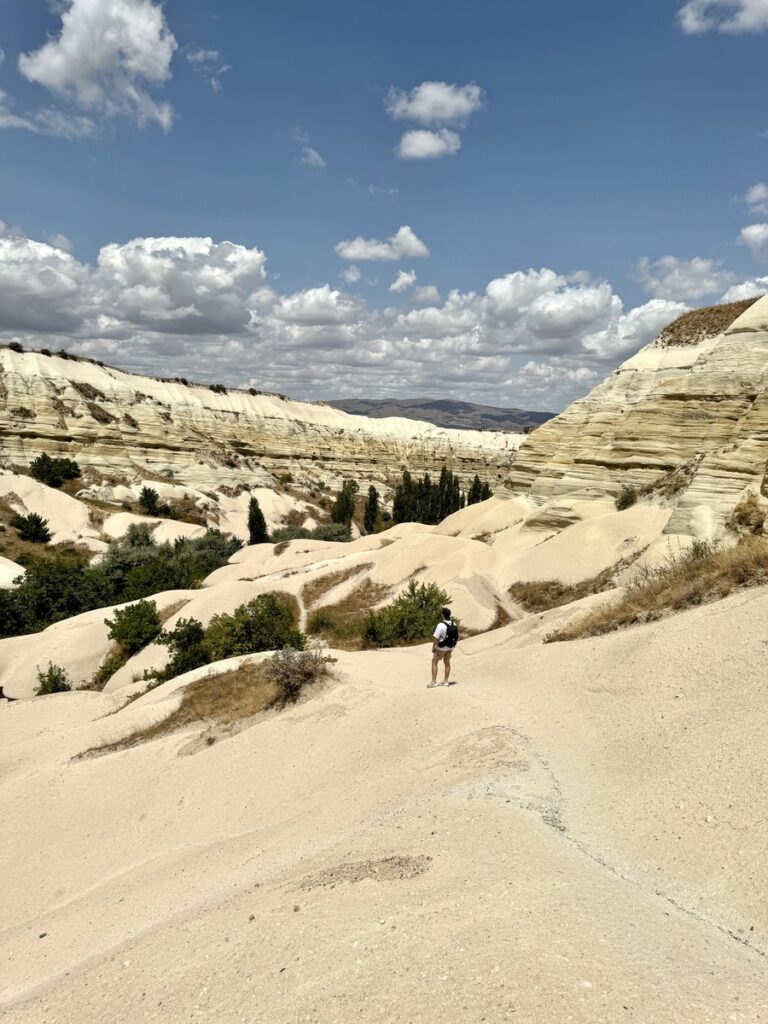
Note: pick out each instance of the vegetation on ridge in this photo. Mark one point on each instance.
(698, 324)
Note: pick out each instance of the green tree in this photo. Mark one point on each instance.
(185, 644)
(52, 472)
(135, 626)
(343, 507)
(257, 524)
(149, 500)
(371, 511)
(32, 528)
(265, 624)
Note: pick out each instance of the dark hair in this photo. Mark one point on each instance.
(446, 613)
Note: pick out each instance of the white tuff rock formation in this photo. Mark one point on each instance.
(689, 411)
(117, 421)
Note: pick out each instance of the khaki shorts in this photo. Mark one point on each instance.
(442, 655)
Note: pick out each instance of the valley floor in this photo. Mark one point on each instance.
(573, 832)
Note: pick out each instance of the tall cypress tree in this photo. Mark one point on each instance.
(371, 512)
(257, 524)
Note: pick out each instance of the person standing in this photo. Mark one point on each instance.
(444, 639)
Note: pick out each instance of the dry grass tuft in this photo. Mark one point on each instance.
(342, 624)
(312, 592)
(703, 574)
(670, 484)
(748, 516)
(541, 595)
(693, 327)
(215, 700)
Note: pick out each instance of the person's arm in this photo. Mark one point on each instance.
(437, 636)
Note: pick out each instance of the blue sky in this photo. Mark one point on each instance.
(615, 151)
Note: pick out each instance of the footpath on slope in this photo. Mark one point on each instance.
(571, 832)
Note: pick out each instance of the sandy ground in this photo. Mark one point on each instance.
(571, 833)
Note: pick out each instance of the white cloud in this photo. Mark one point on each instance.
(107, 57)
(403, 281)
(309, 155)
(756, 198)
(426, 295)
(376, 190)
(46, 122)
(352, 274)
(404, 244)
(205, 310)
(755, 237)
(730, 16)
(433, 103)
(746, 290)
(2, 55)
(681, 280)
(318, 307)
(420, 144)
(59, 241)
(209, 64)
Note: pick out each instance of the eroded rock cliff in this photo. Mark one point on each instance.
(120, 422)
(687, 417)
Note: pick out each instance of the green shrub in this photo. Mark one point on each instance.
(16, 346)
(410, 618)
(135, 626)
(185, 644)
(265, 624)
(338, 533)
(53, 472)
(32, 528)
(53, 680)
(627, 497)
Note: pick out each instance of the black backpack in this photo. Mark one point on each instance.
(451, 636)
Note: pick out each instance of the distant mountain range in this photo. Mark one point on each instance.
(444, 412)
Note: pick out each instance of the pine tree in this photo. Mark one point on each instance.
(343, 507)
(371, 513)
(257, 524)
(474, 491)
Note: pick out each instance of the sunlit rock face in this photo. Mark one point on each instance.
(116, 421)
(690, 409)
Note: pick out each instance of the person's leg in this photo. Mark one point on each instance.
(435, 660)
(447, 661)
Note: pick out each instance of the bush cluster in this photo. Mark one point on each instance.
(53, 472)
(267, 623)
(292, 670)
(409, 619)
(627, 497)
(133, 567)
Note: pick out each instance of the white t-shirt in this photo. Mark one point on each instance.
(441, 631)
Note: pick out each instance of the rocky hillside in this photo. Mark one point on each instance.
(445, 412)
(685, 419)
(116, 421)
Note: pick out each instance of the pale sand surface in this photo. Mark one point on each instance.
(9, 571)
(572, 833)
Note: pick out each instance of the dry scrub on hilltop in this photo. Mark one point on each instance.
(704, 573)
(693, 327)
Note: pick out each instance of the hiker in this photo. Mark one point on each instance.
(445, 638)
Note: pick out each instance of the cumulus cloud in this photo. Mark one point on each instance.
(107, 57)
(755, 237)
(732, 16)
(209, 64)
(206, 310)
(433, 103)
(404, 244)
(421, 144)
(49, 121)
(405, 279)
(426, 295)
(746, 289)
(756, 198)
(681, 280)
